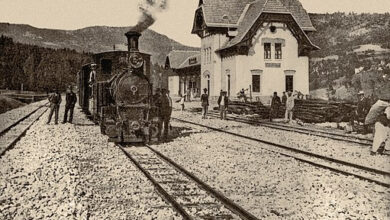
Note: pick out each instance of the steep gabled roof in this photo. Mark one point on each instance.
(255, 11)
(214, 12)
(187, 63)
(177, 57)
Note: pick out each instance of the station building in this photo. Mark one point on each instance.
(184, 74)
(260, 46)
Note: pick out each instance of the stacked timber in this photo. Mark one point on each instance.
(319, 111)
(242, 108)
(309, 111)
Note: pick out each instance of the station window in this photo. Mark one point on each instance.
(106, 66)
(256, 83)
(289, 83)
(278, 51)
(267, 50)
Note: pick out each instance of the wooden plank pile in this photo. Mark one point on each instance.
(309, 111)
(242, 108)
(319, 111)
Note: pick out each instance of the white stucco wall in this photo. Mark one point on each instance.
(273, 78)
(214, 66)
(173, 85)
(241, 67)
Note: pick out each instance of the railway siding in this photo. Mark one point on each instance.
(341, 150)
(70, 171)
(270, 185)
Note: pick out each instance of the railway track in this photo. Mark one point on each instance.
(190, 197)
(370, 174)
(10, 135)
(308, 131)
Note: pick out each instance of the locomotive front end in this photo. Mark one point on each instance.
(131, 94)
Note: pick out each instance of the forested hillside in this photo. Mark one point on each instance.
(354, 55)
(36, 68)
(92, 39)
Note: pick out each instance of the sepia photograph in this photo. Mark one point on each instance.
(194, 109)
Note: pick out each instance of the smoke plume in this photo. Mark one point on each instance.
(148, 9)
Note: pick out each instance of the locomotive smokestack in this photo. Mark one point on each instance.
(132, 40)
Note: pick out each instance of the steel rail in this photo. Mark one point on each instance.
(12, 144)
(306, 153)
(318, 133)
(159, 188)
(20, 120)
(233, 207)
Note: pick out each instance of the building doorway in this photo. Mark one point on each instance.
(289, 83)
(208, 84)
(228, 85)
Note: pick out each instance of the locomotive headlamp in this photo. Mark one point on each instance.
(135, 125)
(136, 60)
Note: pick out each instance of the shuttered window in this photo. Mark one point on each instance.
(267, 50)
(278, 51)
(256, 83)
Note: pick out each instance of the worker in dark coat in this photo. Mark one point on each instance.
(275, 106)
(204, 99)
(165, 113)
(284, 99)
(362, 109)
(223, 103)
(55, 101)
(71, 100)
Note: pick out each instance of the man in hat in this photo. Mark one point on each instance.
(71, 100)
(363, 107)
(165, 112)
(275, 105)
(223, 102)
(205, 103)
(55, 101)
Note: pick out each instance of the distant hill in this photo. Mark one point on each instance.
(92, 39)
(340, 32)
(354, 55)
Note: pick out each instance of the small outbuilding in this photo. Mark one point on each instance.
(184, 77)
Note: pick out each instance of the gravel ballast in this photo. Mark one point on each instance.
(269, 185)
(70, 171)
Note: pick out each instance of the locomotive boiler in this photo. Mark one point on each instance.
(116, 92)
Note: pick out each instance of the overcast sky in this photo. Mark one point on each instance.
(175, 22)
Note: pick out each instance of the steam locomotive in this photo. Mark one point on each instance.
(115, 92)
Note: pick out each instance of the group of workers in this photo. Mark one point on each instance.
(287, 101)
(55, 101)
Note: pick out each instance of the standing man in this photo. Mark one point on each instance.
(284, 99)
(275, 105)
(165, 112)
(363, 107)
(205, 103)
(71, 100)
(382, 132)
(55, 101)
(223, 103)
(290, 103)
